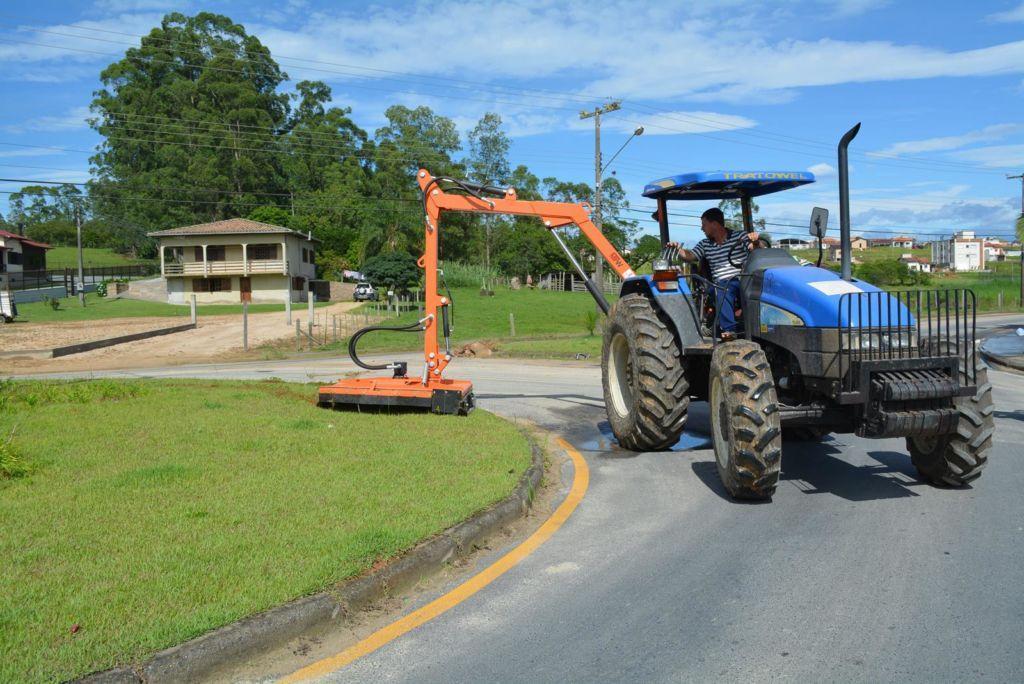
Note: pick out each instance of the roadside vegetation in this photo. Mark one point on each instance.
(547, 324)
(140, 514)
(99, 308)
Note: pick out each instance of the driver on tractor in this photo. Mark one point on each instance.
(716, 248)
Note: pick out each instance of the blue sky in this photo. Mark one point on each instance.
(717, 84)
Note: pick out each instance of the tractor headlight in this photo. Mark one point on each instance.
(773, 315)
(902, 338)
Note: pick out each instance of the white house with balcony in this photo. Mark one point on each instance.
(236, 260)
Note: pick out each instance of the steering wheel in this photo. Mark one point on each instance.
(744, 244)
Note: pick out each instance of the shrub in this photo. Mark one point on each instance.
(53, 302)
(590, 319)
(458, 274)
(12, 465)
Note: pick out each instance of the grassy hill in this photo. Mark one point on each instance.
(67, 257)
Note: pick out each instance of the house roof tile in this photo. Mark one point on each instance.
(234, 226)
(24, 240)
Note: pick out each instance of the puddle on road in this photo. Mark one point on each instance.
(606, 441)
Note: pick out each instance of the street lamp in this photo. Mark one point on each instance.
(638, 131)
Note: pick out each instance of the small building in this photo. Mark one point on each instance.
(19, 254)
(916, 263)
(962, 252)
(236, 260)
(835, 253)
(903, 242)
(796, 243)
(857, 242)
(995, 251)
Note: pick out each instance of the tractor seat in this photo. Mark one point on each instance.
(771, 257)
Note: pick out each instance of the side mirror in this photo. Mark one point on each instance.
(819, 222)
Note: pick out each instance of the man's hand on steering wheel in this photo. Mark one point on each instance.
(750, 244)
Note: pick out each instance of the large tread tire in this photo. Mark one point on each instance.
(646, 393)
(959, 458)
(745, 426)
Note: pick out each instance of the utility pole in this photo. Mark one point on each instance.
(596, 114)
(1020, 237)
(81, 269)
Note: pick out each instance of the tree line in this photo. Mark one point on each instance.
(197, 126)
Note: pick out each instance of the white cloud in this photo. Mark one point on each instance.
(71, 42)
(952, 142)
(996, 156)
(73, 119)
(1009, 16)
(822, 170)
(139, 5)
(674, 59)
(7, 153)
(676, 123)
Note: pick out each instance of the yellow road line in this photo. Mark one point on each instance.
(462, 592)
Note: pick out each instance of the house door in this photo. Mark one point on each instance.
(245, 286)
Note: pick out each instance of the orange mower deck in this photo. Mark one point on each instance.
(439, 396)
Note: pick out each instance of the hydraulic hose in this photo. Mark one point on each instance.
(396, 365)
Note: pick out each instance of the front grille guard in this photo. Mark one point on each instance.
(906, 324)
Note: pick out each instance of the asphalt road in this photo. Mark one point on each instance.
(856, 570)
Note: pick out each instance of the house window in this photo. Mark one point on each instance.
(215, 253)
(262, 252)
(14, 258)
(312, 260)
(211, 284)
(198, 253)
(298, 283)
(305, 255)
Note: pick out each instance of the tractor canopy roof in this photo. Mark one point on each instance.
(719, 185)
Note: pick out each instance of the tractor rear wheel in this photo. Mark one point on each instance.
(745, 428)
(646, 393)
(958, 458)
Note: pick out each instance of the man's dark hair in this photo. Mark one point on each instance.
(714, 214)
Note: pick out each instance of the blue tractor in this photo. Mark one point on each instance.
(818, 353)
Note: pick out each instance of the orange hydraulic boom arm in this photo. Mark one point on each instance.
(430, 389)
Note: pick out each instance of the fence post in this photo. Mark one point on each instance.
(311, 300)
(512, 323)
(1000, 300)
(245, 326)
(334, 321)
(193, 306)
(298, 335)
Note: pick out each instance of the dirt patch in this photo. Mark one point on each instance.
(216, 337)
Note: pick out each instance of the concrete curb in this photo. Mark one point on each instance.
(95, 344)
(239, 641)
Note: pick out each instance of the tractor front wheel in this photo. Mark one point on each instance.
(646, 393)
(745, 427)
(958, 458)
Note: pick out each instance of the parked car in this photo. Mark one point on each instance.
(364, 292)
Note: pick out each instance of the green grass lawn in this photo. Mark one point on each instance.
(538, 313)
(92, 257)
(98, 308)
(155, 511)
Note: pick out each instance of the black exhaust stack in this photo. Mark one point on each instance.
(844, 202)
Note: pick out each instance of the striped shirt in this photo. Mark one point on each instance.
(718, 255)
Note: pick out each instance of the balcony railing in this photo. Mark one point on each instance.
(200, 268)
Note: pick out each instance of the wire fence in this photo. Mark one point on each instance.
(68, 277)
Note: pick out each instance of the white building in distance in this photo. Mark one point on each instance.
(962, 252)
(236, 260)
